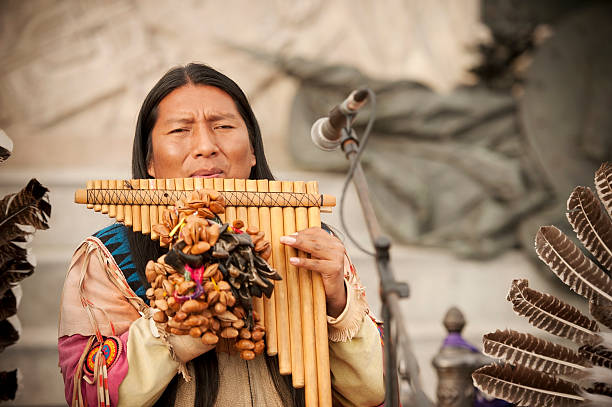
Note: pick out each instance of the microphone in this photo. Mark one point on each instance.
(326, 131)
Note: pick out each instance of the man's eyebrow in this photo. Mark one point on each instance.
(179, 120)
(214, 116)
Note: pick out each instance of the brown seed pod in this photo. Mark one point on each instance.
(212, 233)
(158, 281)
(238, 323)
(192, 306)
(213, 297)
(185, 235)
(226, 324)
(215, 325)
(200, 247)
(168, 287)
(210, 338)
(245, 344)
(259, 347)
(216, 207)
(177, 331)
(261, 245)
(194, 320)
(205, 322)
(227, 316)
(173, 323)
(231, 300)
(229, 333)
(239, 312)
(150, 293)
(158, 293)
(185, 286)
(252, 230)
(160, 317)
(209, 286)
(203, 235)
(196, 332)
(161, 304)
(266, 253)
(150, 271)
(257, 335)
(186, 249)
(223, 298)
(223, 286)
(206, 213)
(180, 316)
(170, 312)
(247, 355)
(160, 269)
(218, 276)
(219, 308)
(173, 304)
(210, 270)
(237, 224)
(245, 333)
(176, 279)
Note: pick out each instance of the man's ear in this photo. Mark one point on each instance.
(252, 159)
(151, 169)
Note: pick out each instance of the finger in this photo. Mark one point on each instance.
(324, 247)
(325, 267)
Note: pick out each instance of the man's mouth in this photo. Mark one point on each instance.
(212, 173)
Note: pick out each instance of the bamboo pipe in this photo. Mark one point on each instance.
(308, 334)
(269, 303)
(293, 293)
(144, 211)
(253, 220)
(280, 289)
(112, 209)
(136, 223)
(320, 315)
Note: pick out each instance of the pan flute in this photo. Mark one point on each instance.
(295, 316)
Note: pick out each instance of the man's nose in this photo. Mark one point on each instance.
(204, 141)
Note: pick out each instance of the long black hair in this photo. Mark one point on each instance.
(144, 249)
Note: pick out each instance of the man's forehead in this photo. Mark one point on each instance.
(191, 116)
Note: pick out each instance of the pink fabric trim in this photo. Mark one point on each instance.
(70, 349)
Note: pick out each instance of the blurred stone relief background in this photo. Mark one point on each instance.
(530, 119)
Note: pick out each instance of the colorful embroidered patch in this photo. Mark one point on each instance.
(111, 349)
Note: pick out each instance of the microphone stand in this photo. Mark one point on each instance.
(390, 289)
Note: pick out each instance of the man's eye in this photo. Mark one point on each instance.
(177, 131)
(224, 126)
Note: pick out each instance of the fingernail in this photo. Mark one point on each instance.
(287, 239)
(294, 260)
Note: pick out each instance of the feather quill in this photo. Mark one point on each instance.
(549, 313)
(568, 262)
(591, 224)
(603, 183)
(526, 387)
(524, 349)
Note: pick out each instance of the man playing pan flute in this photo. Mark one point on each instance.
(196, 122)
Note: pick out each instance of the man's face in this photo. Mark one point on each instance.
(200, 133)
